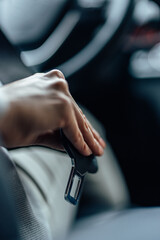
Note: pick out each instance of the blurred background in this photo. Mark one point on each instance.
(109, 51)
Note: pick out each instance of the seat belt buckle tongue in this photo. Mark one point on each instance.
(81, 165)
(74, 187)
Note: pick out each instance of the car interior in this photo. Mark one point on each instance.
(109, 52)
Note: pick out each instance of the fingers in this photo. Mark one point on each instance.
(62, 115)
(75, 125)
(97, 136)
(81, 133)
(90, 136)
(74, 134)
(93, 131)
(42, 104)
(78, 131)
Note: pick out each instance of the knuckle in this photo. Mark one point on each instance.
(55, 73)
(59, 74)
(61, 85)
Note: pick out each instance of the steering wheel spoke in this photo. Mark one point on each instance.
(81, 31)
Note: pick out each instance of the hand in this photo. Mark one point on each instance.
(37, 107)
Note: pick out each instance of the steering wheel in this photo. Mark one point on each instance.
(64, 34)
